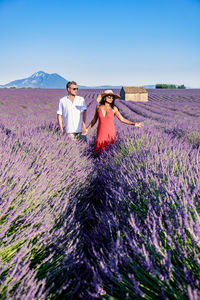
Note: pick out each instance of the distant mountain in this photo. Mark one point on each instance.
(106, 87)
(116, 87)
(150, 86)
(53, 81)
(40, 80)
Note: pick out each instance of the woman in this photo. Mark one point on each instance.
(105, 112)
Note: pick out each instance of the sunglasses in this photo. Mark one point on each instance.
(74, 89)
(110, 97)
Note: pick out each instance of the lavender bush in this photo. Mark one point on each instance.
(122, 225)
(155, 188)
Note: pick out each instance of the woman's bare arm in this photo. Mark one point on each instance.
(94, 119)
(124, 120)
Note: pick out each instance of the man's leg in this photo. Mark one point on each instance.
(72, 135)
(83, 137)
(78, 136)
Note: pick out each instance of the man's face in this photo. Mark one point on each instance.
(72, 90)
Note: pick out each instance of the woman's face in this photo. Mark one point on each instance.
(109, 99)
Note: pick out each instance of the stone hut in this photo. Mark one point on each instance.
(134, 93)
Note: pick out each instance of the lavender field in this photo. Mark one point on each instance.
(124, 225)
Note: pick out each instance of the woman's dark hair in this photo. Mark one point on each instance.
(103, 101)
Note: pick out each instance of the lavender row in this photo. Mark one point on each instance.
(131, 231)
(122, 225)
(153, 184)
(41, 174)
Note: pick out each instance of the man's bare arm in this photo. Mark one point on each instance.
(83, 130)
(60, 122)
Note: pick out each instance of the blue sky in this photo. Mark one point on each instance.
(98, 42)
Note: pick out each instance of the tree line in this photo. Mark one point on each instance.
(169, 86)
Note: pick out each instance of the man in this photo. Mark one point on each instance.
(72, 109)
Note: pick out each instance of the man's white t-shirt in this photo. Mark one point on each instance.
(72, 113)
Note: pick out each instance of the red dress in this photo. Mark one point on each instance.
(105, 130)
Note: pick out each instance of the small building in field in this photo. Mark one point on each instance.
(134, 93)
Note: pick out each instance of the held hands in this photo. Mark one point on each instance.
(84, 130)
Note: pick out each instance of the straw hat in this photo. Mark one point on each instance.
(106, 93)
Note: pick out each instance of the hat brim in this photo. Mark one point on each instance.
(100, 96)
